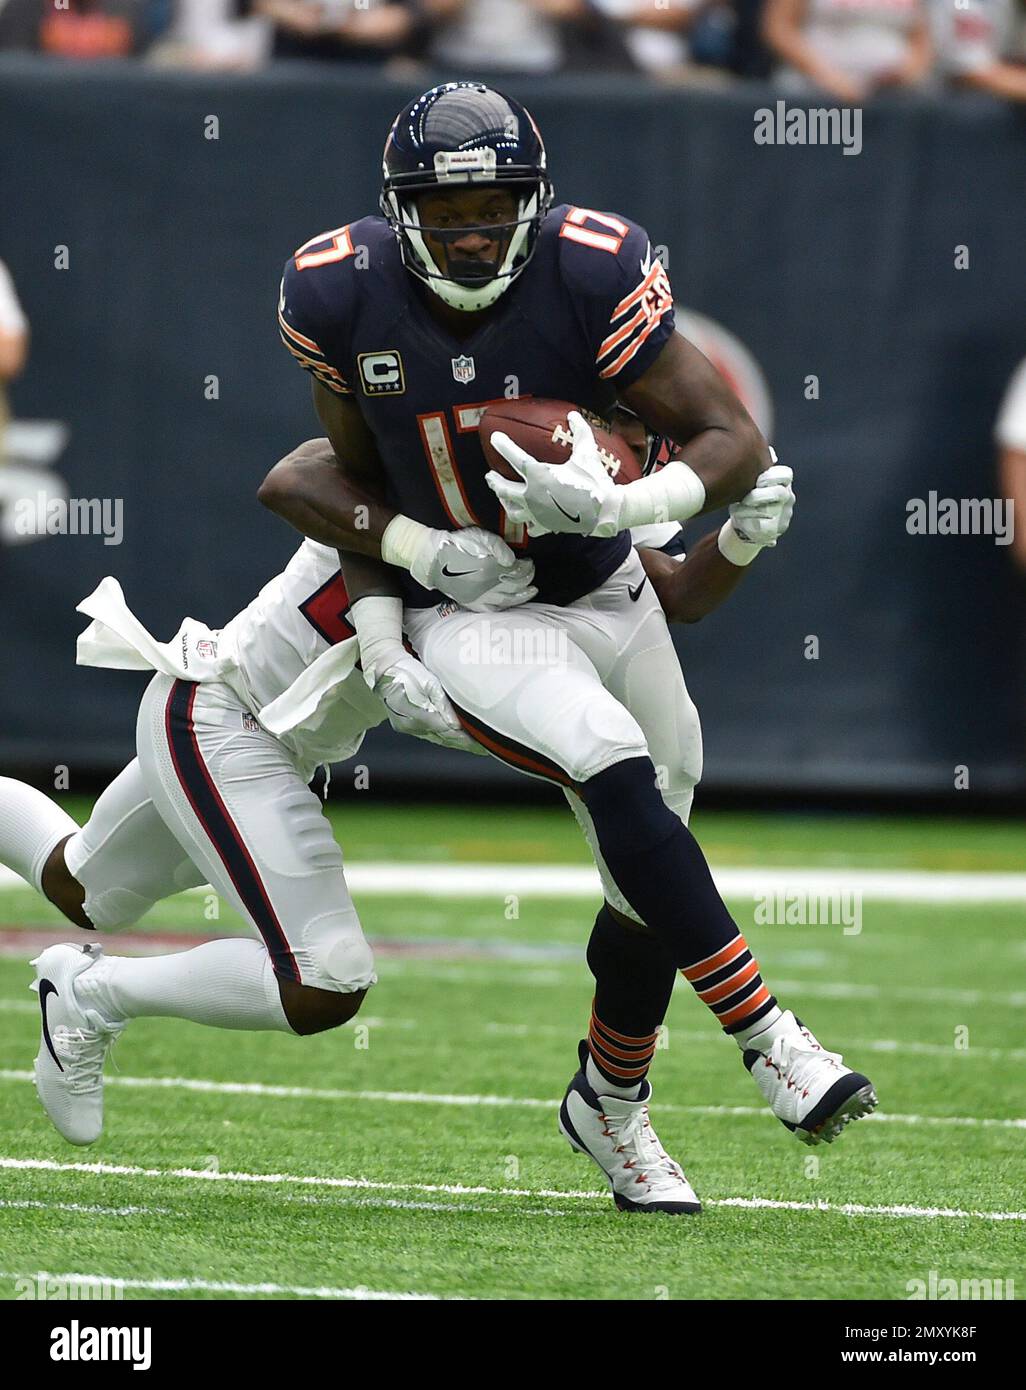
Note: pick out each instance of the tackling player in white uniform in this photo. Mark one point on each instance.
(230, 731)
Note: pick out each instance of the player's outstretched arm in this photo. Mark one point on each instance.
(690, 589)
(332, 490)
(684, 397)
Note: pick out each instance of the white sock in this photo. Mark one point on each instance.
(602, 1087)
(30, 825)
(225, 984)
(767, 1025)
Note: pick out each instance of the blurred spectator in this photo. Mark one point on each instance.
(214, 34)
(981, 44)
(85, 29)
(848, 48)
(333, 29)
(657, 38)
(1010, 436)
(14, 335)
(473, 36)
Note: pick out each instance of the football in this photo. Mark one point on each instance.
(540, 427)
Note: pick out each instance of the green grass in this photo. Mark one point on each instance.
(482, 1020)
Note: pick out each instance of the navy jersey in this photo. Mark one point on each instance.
(587, 316)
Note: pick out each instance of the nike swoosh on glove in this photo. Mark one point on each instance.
(578, 496)
(474, 568)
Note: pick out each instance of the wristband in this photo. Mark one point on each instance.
(401, 541)
(675, 493)
(733, 548)
(378, 620)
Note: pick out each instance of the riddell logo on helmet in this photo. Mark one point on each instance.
(463, 164)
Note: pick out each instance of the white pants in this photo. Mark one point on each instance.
(563, 693)
(213, 798)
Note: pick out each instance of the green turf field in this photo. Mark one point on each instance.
(416, 1151)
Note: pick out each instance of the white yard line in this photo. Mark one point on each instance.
(7, 1204)
(734, 881)
(98, 1169)
(217, 1286)
(273, 1092)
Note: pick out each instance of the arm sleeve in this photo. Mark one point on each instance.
(620, 289)
(314, 309)
(667, 536)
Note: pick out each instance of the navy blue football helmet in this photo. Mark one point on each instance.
(458, 135)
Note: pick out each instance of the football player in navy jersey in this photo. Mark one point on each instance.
(469, 289)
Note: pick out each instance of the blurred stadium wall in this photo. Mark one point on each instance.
(824, 265)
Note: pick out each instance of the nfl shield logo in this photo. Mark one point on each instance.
(463, 369)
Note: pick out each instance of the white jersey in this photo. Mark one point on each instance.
(970, 35)
(289, 656)
(294, 620)
(1010, 430)
(862, 38)
(12, 319)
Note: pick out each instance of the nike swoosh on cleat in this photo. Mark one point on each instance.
(46, 988)
(569, 515)
(636, 593)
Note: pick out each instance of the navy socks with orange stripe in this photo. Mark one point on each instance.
(634, 979)
(660, 869)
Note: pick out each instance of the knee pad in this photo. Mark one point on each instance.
(335, 954)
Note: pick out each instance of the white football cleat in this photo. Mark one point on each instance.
(74, 1046)
(618, 1135)
(808, 1089)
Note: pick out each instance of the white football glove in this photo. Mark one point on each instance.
(474, 568)
(577, 496)
(761, 517)
(417, 704)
